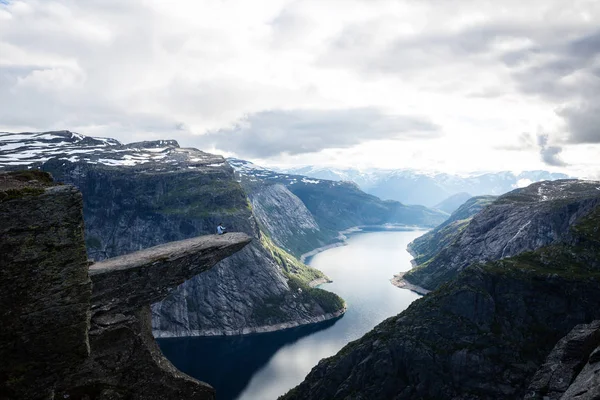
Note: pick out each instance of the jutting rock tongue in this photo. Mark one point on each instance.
(60, 338)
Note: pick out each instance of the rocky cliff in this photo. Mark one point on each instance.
(319, 208)
(485, 334)
(519, 221)
(143, 194)
(71, 330)
(424, 248)
(44, 285)
(571, 370)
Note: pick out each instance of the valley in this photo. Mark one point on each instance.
(506, 276)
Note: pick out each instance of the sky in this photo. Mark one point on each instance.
(445, 85)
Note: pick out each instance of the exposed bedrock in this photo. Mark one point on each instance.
(64, 336)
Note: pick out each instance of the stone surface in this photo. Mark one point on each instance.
(571, 370)
(127, 282)
(125, 362)
(62, 339)
(44, 285)
(425, 247)
(143, 194)
(519, 221)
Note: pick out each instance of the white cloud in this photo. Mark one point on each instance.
(488, 76)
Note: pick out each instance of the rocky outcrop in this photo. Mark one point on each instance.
(64, 337)
(143, 194)
(520, 221)
(425, 247)
(484, 334)
(287, 220)
(571, 370)
(125, 361)
(44, 285)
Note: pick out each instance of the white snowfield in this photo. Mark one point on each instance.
(256, 173)
(29, 149)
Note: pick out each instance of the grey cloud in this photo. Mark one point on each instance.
(268, 133)
(570, 78)
(583, 121)
(559, 64)
(550, 154)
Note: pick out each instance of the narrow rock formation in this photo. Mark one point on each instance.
(63, 337)
(125, 361)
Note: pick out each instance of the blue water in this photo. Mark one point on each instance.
(265, 366)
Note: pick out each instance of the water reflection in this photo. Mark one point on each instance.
(228, 363)
(265, 366)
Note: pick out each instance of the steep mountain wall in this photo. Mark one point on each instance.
(481, 336)
(144, 194)
(520, 221)
(131, 208)
(424, 248)
(318, 208)
(571, 370)
(67, 336)
(44, 285)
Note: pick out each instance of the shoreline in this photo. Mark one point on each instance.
(316, 282)
(252, 330)
(398, 281)
(320, 281)
(342, 238)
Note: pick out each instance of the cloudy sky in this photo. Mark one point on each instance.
(450, 85)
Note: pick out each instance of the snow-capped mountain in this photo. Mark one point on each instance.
(415, 187)
(33, 149)
(256, 173)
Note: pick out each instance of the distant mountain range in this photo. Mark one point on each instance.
(428, 189)
(303, 213)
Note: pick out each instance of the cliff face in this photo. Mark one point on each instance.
(66, 337)
(45, 289)
(571, 370)
(481, 336)
(318, 208)
(424, 248)
(144, 194)
(523, 220)
(285, 217)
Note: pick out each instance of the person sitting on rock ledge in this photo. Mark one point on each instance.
(221, 229)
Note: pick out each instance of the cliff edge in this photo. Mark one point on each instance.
(71, 330)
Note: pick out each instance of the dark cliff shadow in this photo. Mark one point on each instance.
(228, 363)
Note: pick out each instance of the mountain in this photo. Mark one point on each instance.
(415, 187)
(502, 329)
(519, 221)
(143, 194)
(425, 247)
(72, 329)
(450, 204)
(319, 208)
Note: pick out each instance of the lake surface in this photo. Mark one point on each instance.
(265, 366)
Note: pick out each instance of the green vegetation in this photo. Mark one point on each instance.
(217, 197)
(290, 265)
(299, 277)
